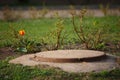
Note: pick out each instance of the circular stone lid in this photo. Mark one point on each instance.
(68, 56)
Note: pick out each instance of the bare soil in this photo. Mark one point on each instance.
(6, 52)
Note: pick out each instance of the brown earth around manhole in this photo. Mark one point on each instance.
(63, 56)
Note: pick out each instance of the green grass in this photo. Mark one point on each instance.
(19, 72)
(38, 28)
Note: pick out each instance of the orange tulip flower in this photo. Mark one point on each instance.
(22, 32)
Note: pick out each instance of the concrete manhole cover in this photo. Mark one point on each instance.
(70, 60)
(68, 56)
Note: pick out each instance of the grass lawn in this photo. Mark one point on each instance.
(38, 28)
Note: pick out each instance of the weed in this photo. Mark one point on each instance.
(22, 44)
(43, 12)
(104, 9)
(91, 40)
(26, 45)
(72, 10)
(56, 35)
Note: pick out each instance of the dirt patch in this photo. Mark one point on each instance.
(6, 52)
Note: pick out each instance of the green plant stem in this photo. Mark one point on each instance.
(58, 39)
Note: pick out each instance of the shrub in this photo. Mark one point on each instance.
(91, 39)
(55, 39)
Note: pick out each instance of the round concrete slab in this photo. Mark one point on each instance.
(68, 56)
(107, 63)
